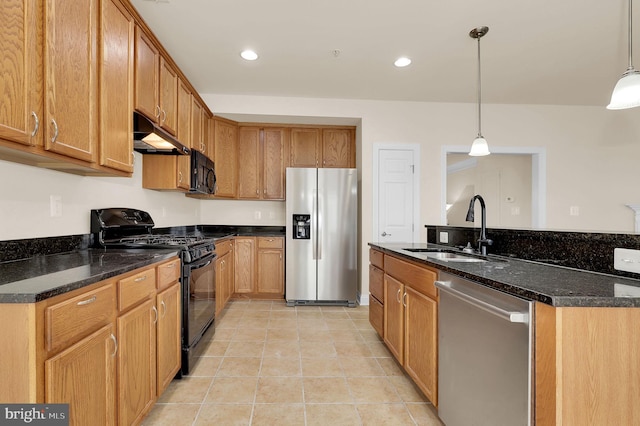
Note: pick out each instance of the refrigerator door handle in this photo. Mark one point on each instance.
(319, 233)
(314, 228)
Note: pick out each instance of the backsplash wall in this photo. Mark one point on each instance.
(589, 251)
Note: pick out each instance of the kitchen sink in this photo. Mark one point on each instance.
(453, 257)
(446, 255)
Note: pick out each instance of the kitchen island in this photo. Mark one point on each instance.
(586, 348)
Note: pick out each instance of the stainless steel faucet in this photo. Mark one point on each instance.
(483, 241)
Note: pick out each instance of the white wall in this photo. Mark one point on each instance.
(592, 163)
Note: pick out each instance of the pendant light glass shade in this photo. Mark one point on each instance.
(626, 94)
(479, 147)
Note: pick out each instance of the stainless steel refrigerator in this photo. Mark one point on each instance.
(321, 242)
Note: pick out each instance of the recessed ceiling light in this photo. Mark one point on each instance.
(402, 62)
(249, 55)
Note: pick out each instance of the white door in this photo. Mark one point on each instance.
(397, 200)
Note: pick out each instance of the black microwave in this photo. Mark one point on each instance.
(203, 174)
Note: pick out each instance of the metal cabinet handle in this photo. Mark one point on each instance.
(180, 177)
(398, 296)
(384, 234)
(158, 110)
(164, 309)
(37, 123)
(155, 311)
(115, 345)
(404, 300)
(55, 131)
(171, 265)
(142, 278)
(87, 301)
(164, 117)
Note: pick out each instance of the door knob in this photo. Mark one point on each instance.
(384, 234)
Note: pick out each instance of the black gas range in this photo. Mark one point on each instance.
(114, 228)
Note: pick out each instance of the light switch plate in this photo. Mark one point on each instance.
(444, 237)
(626, 260)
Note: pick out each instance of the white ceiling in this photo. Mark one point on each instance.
(561, 52)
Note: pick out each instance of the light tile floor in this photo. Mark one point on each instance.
(269, 364)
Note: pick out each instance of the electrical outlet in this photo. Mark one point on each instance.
(257, 214)
(574, 211)
(626, 260)
(444, 237)
(55, 205)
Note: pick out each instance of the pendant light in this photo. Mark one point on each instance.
(479, 146)
(626, 94)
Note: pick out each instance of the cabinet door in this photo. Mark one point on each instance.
(71, 84)
(169, 336)
(225, 157)
(421, 342)
(221, 285)
(248, 166)
(336, 147)
(116, 87)
(184, 114)
(305, 147)
(168, 97)
(394, 317)
(270, 272)
(136, 370)
(21, 71)
(244, 259)
(197, 141)
(83, 376)
(273, 169)
(147, 66)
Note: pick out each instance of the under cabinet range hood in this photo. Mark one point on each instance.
(149, 138)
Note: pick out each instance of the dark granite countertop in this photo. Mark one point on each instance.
(40, 277)
(552, 285)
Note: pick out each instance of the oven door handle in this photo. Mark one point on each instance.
(201, 263)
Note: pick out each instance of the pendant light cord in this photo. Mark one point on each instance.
(630, 38)
(480, 93)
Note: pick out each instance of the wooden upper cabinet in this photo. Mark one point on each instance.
(261, 155)
(197, 141)
(147, 67)
(337, 148)
(156, 84)
(168, 97)
(116, 86)
(273, 163)
(305, 147)
(248, 164)
(21, 71)
(71, 83)
(184, 114)
(225, 157)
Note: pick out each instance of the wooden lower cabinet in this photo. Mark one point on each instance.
(259, 267)
(136, 369)
(411, 321)
(96, 348)
(169, 336)
(224, 274)
(84, 376)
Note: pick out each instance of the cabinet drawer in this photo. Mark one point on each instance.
(69, 321)
(376, 316)
(376, 282)
(223, 247)
(168, 273)
(270, 242)
(135, 288)
(376, 258)
(421, 279)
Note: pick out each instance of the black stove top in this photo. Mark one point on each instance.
(131, 228)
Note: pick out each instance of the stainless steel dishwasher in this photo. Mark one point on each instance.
(484, 355)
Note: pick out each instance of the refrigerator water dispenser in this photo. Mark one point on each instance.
(301, 226)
